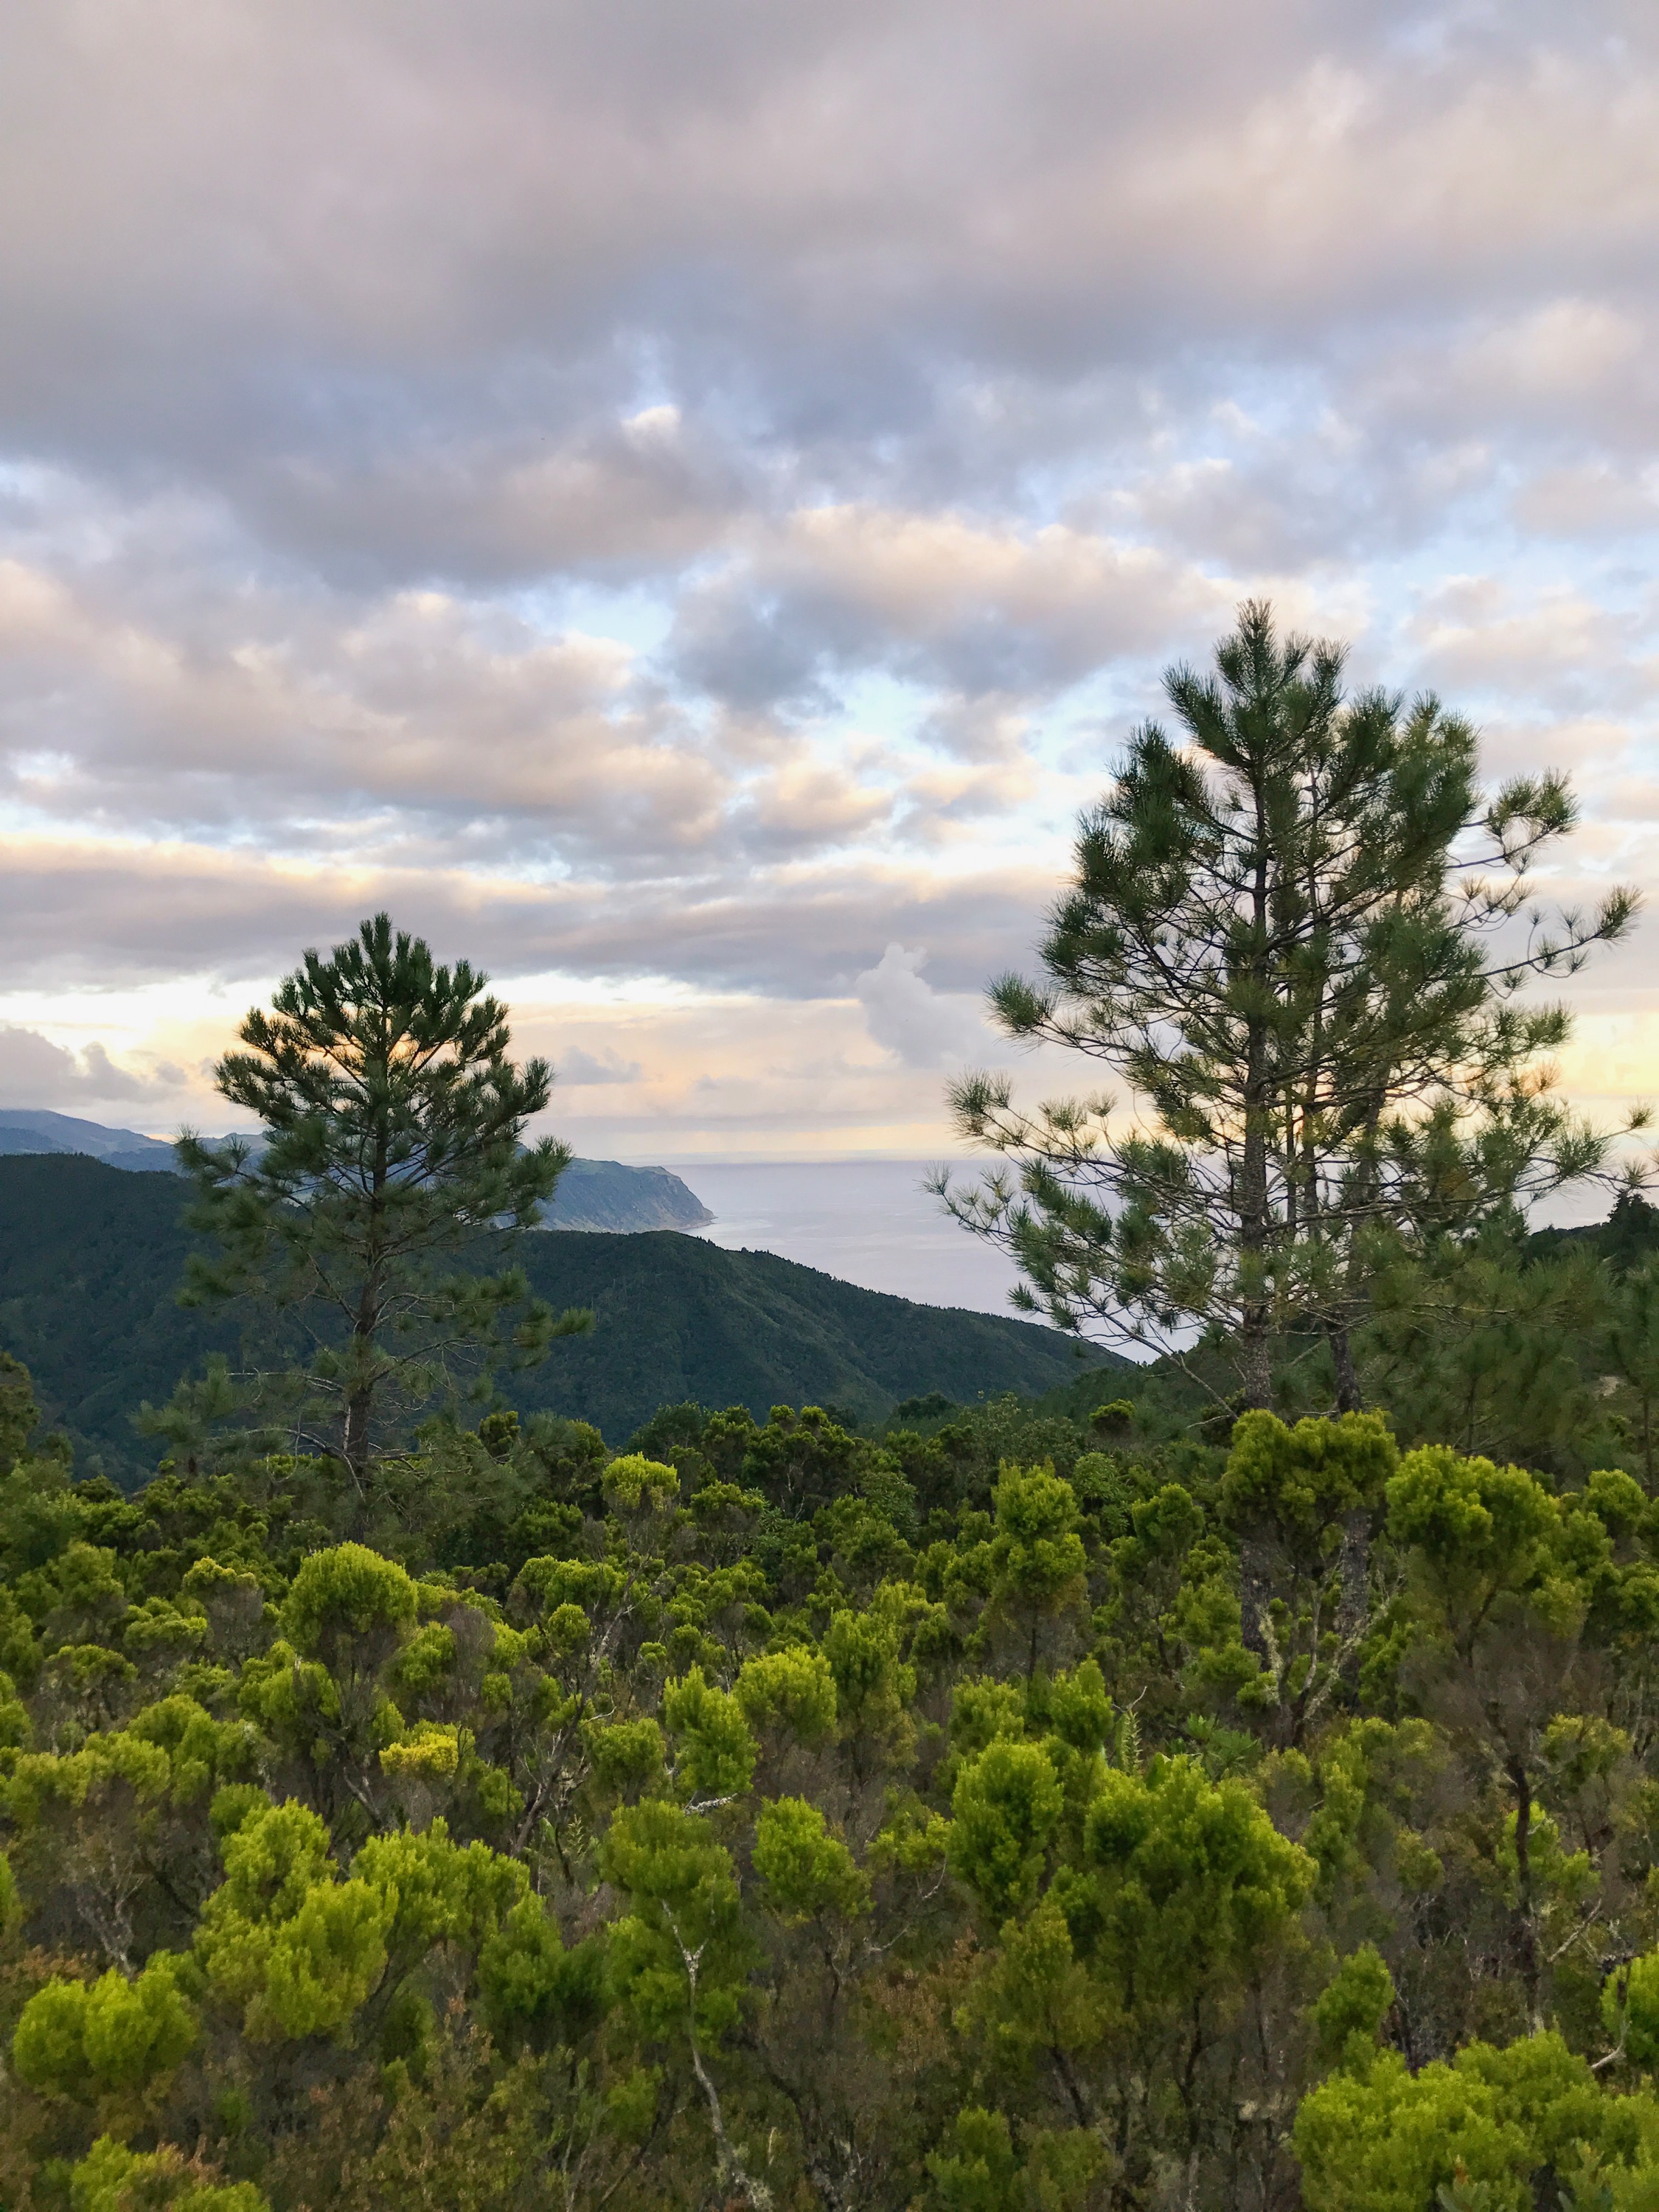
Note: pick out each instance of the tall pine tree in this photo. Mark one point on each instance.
(393, 1114)
(1297, 934)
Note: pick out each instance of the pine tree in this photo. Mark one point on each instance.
(392, 1116)
(1297, 933)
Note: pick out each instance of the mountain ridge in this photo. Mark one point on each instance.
(592, 1194)
(90, 1257)
(31, 1129)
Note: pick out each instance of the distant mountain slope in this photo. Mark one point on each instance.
(678, 1318)
(34, 1129)
(605, 1194)
(592, 1194)
(89, 1260)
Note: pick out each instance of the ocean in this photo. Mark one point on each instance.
(868, 1221)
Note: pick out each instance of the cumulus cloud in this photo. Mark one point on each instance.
(35, 1072)
(967, 606)
(905, 1015)
(1557, 648)
(73, 917)
(261, 714)
(616, 496)
(404, 194)
(743, 1070)
(704, 499)
(1592, 500)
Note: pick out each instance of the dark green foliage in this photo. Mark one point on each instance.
(89, 1257)
(391, 1115)
(1539, 1348)
(19, 1415)
(1628, 1236)
(676, 1319)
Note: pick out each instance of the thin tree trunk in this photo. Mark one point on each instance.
(355, 1441)
(365, 1324)
(1525, 1930)
(1354, 1567)
(1349, 1398)
(730, 2169)
(728, 2163)
(1254, 1592)
(1255, 1360)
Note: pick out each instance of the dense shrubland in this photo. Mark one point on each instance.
(1018, 1815)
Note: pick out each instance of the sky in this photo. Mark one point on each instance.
(683, 505)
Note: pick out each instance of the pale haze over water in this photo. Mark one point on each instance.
(868, 1221)
(871, 1222)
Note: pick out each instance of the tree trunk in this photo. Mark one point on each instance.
(1526, 1932)
(1348, 1397)
(730, 2169)
(354, 1443)
(366, 1322)
(1254, 1592)
(359, 1400)
(1354, 1567)
(1255, 1359)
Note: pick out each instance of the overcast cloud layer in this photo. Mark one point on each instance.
(683, 504)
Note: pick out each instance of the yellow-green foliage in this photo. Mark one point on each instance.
(857, 1847)
(792, 1690)
(81, 2039)
(807, 1871)
(634, 1484)
(1386, 2140)
(113, 2178)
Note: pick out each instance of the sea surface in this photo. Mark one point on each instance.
(868, 1221)
(871, 1222)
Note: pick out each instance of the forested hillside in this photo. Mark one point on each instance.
(90, 1260)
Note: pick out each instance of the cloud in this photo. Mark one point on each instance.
(904, 1015)
(941, 598)
(811, 205)
(35, 1072)
(617, 497)
(580, 1071)
(252, 713)
(75, 916)
(1590, 500)
(698, 503)
(738, 1072)
(1555, 646)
